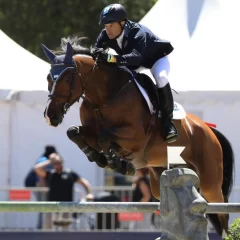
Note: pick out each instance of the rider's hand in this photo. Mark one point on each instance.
(89, 197)
(96, 51)
(107, 57)
(103, 55)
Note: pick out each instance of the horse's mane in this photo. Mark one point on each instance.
(78, 48)
(76, 43)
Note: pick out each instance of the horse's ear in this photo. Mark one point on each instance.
(50, 55)
(69, 54)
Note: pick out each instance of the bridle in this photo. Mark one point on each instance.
(75, 73)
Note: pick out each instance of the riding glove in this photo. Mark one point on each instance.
(102, 55)
(107, 57)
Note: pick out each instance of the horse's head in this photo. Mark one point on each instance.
(75, 73)
(64, 85)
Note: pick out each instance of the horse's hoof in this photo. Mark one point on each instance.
(130, 169)
(101, 160)
(73, 131)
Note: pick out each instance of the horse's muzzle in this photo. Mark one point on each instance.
(53, 121)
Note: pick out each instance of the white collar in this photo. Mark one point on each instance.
(120, 39)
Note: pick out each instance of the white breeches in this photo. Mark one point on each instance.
(160, 71)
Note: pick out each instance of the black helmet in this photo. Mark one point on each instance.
(113, 13)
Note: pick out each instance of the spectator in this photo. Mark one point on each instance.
(120, 180)
(45, 157)
(142, 193)
(32, 180)
(60, 181)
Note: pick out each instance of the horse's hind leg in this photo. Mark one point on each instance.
(121, 165)
(210, 171)
(212, 192)
(155, 173)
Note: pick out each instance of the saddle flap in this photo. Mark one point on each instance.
(149, 91)
(150, 87)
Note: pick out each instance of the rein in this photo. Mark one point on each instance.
(94, 106)
(75, 72)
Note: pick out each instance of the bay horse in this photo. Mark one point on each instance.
(119, 131)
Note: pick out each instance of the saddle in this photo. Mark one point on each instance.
(146, 83)
(151, 88)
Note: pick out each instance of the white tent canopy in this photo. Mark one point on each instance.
(24, 131)
(205, 62)
(20, 69)
(205, 35)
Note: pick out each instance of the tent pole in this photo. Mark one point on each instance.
(10, 142)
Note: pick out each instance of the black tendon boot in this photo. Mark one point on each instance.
(166, 106)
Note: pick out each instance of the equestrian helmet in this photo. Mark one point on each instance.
(113, 13)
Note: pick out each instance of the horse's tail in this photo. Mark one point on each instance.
(228, 163)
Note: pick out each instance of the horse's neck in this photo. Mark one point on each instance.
(104, 84)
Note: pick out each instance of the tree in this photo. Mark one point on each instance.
(31, 23)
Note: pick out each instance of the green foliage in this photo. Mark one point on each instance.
(32, 22)
(234, 230)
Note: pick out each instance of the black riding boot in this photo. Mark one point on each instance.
(166, 106)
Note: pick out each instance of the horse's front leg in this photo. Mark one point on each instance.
(121, 144)
(103, 159)
(76, 134)
(121, 165)
(114, 152)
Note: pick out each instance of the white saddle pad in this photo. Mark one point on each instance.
(178, 112)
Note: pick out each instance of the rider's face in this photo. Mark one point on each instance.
(113, 29)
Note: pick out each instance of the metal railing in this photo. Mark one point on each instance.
(81, 221)
(74, 221)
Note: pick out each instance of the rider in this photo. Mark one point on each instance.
(137, 46)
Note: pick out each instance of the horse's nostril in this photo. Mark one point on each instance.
(54, 122)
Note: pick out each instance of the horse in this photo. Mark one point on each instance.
(120, 131)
